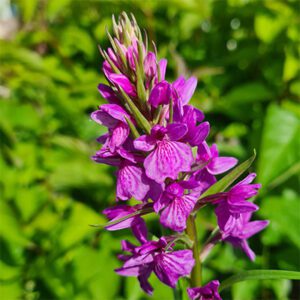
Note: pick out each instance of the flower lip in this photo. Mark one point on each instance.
(175, 189)
(158, 132)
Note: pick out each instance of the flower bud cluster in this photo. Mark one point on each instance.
(157, 142)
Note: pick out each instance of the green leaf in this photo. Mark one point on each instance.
(280, 141)
(226, 181)
(259, 275)
(284, 227)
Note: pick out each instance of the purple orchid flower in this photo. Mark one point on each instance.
(160, 94)
(136, 223)
(191, 117)
(158, 168)
(153, 256)
(234, 201)
(113, 117)
(120, 80)
(184, 89)
(108, 94)
(236, 229)
(207, 292)
(168, 157)
(152, 68)
(234, 212)
(175, 206)
(212, 162)
(131, 178)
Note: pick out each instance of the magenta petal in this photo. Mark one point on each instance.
(133, 265)
(131, 182)
(117, 212)
(200, 134)
(123, 82)
(161, 203)
(160, 94)
(169, 267)
(214, 150)
(108, 94)
(107, 70)
(199, 114)
(155, 190)
(130, 57)
(163, 66)
(203, 153)
(246, 248)
(175, 215)
(168, 160)
(118, 136)
(178, 84)
(248, 179)
(139, 229)
(150, 64)
(109, 115)
(145, 272)
(252, 228)
(207, 292)
(144, 143)
(243, 191)
(242, 207)
(132, 271)
(102, 138)
(104, 119)
(176, 131)
(188, 90)
(116, 111)
(205, 180)
(127, 246)
(219, 165)
(127, 155)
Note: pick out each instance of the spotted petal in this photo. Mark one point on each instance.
(168, 160)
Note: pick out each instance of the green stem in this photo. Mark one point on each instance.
(191, 230)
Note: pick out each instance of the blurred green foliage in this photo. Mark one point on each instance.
(246, 56)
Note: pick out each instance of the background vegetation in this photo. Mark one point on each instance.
(246, 56)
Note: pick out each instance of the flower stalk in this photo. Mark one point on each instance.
(191, 230)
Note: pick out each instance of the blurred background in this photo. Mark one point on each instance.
(246, 56)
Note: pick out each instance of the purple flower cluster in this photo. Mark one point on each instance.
(152, 132)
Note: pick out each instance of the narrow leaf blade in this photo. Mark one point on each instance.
(259, 275)
(226, 181)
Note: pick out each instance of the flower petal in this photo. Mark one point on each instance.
(203, 153)
(122, 81)
(143, 278)
(175, 215)
(144, 143)
(139, 229)
(118, 136)
(162, 66)
(131, 182)
(188, 90)
(168, 160)
(199, 134)
(207, 292)
(117, 212)
(219, 165)
(169, 267)
(150, 64)
(108, 94)
(252, 228)
(176, 131)
(160, 94)
(104, 119)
